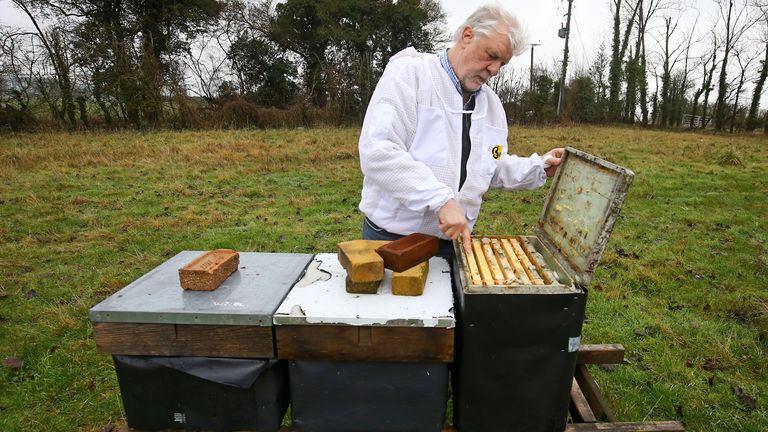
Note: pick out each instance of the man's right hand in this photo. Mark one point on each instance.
(452, 223)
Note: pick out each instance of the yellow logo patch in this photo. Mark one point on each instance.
(497, 151)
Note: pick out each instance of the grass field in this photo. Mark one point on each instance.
(683, 283)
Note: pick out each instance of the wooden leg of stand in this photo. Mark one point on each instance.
(592, 394)
(579, 407)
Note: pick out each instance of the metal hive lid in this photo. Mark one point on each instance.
(581, 208)
(249, 296)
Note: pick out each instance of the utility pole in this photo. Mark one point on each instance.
(530, 87)
(565, 58)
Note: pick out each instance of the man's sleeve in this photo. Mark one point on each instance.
(515, 172)
(388, 129)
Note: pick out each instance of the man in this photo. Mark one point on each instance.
(434, 139)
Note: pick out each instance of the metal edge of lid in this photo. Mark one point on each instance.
(624, 177)
(94, 313)
(299, 277)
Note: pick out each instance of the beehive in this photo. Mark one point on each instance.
(522, 300)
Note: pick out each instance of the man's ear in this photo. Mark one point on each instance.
(467, 35)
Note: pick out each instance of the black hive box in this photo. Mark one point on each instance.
(517, 342)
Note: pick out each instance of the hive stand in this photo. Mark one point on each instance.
(589, 410)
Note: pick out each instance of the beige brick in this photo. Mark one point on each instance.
(360, 260)
(410, 282)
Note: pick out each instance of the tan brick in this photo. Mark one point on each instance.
(361, 287)
(360, 260)
(410, 282)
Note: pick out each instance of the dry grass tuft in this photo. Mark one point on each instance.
(730, 157)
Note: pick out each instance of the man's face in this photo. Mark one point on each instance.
(481, 57)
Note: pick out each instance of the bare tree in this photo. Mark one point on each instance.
(637, 66)
(597, 72)
(670, 56)
(737, 22)
(618, 51)
(685, 83)
(744, 60)
(708, 63)
(55, 45)
(207, 62)
(757, 92)
(17, 65)
(708, 76)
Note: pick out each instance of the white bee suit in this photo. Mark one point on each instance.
(410, 148)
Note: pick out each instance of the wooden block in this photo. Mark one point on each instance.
(579, 407)
(519, 271)
(506, 267)
(593, 394)
(533, 274)
(409, 251)
(538, 261)
(360, 260)
(474, 273)
(194, 340)
(482, 264)
(600, 354)
(366, 344)
(410, 282)
(209, 270)
(353, 287)
(490, 257)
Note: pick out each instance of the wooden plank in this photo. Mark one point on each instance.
(600, 354)
(184, 340)
(498, 276)
(592, 392)
(390, 344)
(474, 273)
(530, 269)
(579, 407)
(538, 261)
(661, 426)
(522, 275)
(506, 267)
(482, 264)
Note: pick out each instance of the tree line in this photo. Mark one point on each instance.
(85, 64)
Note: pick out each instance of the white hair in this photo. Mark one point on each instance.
(495, 18)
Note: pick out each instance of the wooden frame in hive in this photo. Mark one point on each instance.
(507, 264)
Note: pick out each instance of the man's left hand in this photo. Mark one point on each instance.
(553, 159)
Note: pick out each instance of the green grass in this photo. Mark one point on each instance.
(683, 283)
